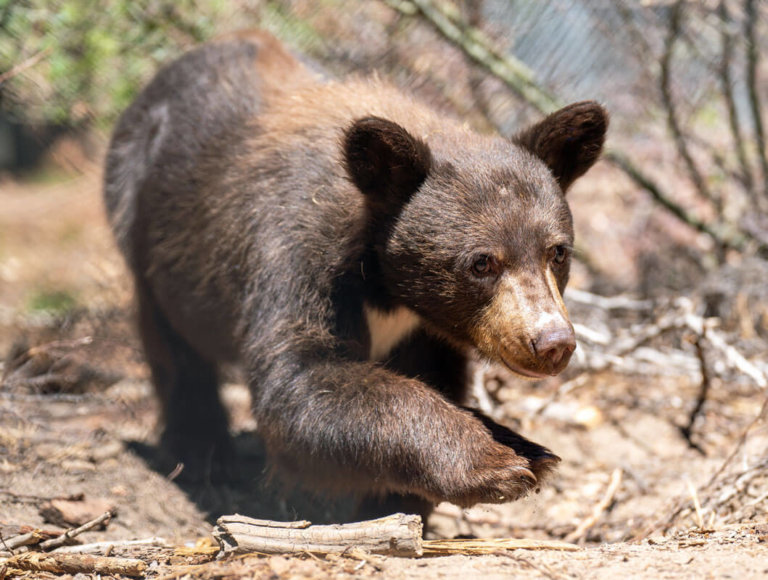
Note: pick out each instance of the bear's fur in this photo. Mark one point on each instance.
(346, 245)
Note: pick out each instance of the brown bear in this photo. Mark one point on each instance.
(347, 245)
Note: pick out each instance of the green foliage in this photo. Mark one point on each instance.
(52, 301)
(96, 53)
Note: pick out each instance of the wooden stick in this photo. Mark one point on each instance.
(99, 546)
(72, 532)
(582, 529)
(77, 563)
(395, 535)
(27, 539)
(491, 545)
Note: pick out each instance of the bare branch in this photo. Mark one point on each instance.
(477, 46)
(520, 79)
(734, 239)
(669, 105)
(704, 387)
(750, 22)
(726, 86)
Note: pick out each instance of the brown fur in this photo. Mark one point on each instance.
(278, 221)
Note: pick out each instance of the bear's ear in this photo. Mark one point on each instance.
(385, 161)
(569, 141)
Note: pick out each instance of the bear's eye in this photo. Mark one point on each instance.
(484, 266)
(560, 254)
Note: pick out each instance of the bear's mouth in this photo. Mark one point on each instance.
(523, 372)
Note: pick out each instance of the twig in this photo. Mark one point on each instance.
(98, 546)
(581, 530)
(491, 545)
(33, 537)
(77, 564)
(24, 65)
(395, 535)
(732, 356)
(703, 391)
(72, 532)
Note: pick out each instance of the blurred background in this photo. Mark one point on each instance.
(670, 287)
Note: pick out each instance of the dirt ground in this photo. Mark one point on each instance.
(78, 421)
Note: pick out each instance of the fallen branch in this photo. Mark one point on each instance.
(627, 353)
(732, 356)
(34, 537)
(77, 564)
(395, 535)
(71, 533)
(491, 545)
(22, 542)
(11, 544)
(581, 530)
(111, 546)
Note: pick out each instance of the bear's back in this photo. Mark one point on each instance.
(204, 96)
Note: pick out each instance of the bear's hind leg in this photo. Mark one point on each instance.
(195, 422)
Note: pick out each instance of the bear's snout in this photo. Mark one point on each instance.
(526, 326)
(553, 347)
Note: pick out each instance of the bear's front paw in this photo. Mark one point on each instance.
(500, 475)
(538, 459)
(492, 464)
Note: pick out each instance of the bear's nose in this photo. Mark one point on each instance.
(554, 347)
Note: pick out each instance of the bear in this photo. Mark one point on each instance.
(350, 247)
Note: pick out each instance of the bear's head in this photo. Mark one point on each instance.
(474, 233)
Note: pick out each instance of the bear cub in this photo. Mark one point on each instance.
(347, 246)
